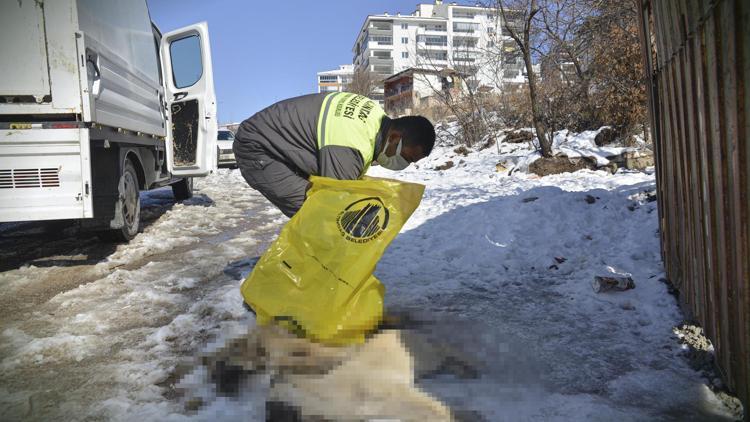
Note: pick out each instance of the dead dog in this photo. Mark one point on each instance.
(312, 381)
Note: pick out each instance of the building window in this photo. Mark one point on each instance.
(404, 26)
(382, 40)
(328, 78)
(465, 27)
(405, 55)
(404, 40)
(464, 42)
(382, 69)
(463, 14)
(433, 39)
(434, 27)
(381, 25)
(433, 54)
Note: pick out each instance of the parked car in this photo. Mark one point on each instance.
(224, 151)
(97, 105)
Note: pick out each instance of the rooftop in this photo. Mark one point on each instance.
(344, 69)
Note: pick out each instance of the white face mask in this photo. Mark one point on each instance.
(395, 161)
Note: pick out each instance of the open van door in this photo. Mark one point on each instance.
(190, 100)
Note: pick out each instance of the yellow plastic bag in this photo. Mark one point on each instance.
(316, 278)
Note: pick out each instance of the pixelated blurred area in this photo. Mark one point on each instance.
(378, 380)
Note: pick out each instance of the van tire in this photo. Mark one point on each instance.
(183, 189)
(128, 206)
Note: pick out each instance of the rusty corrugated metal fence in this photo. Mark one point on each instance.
(697, 55)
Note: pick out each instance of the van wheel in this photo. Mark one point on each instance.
(183, 189)
(128, 206)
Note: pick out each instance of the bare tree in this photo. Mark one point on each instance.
(523, 38)
(454, 84)
(363, 82)
(564, 62)
(563, 23)
(590, 64)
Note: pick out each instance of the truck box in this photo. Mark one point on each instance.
(90, 85)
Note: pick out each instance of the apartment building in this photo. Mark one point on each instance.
(335, 80)
(439, 36)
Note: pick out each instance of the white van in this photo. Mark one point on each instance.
(95, 105)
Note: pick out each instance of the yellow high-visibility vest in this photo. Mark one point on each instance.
(350, 120)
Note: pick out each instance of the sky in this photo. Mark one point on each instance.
(266, 51)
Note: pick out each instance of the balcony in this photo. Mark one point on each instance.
(464, 14)
(439, 29)
(465, 43)
(380, 26)
(429, 56)
(376, 40)
(383, 70)
(380, 54)
(378, 61)
(424, 47)
(379, 32)
(465, 27)
(440, 41)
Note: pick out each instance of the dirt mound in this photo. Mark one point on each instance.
(518, 137)
(462, 150)
(561, 164)
(448, 164)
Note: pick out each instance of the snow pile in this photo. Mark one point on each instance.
(583, 145)
(565, 142)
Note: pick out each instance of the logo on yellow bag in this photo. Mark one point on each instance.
(363, 220)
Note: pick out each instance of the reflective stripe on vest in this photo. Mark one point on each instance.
(350, 120)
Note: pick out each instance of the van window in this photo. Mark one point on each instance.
(187, 66)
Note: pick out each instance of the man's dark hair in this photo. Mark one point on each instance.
(417, 131)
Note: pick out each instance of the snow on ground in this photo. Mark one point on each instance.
(512, 258)
(583, 145)
(106, 349)
(503, 263)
